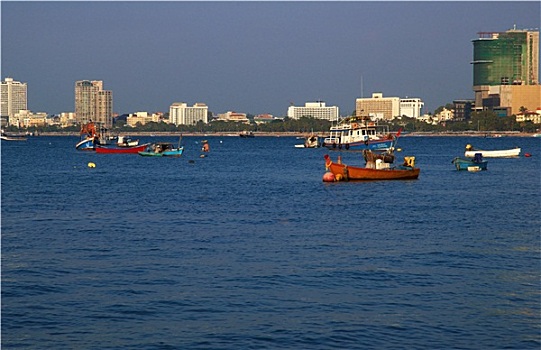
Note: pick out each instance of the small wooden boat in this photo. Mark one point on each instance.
(465, 164)
(162, 149)
(384, 171)
(311, 141)
(121, 150)
(505, 153)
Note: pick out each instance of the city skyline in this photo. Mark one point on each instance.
(251, 57)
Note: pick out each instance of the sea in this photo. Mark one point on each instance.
(247, 248)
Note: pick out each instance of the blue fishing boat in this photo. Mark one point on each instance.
(89, 138)
(471, 164)
(163, 149)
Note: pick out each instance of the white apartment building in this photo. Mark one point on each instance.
(378, 107)
(317, 110)
(411, 107)
(13, 98)
(181, 114)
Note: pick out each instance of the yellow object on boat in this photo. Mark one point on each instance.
(409, 161)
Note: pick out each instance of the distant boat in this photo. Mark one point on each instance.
(378, 170)
(163, 149)
(311, 141)
(120, 150)
(11, 137)
(247, 134)
(505, 153)
(359, 133)
(466, 164)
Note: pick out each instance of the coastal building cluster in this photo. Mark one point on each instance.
(505, 81)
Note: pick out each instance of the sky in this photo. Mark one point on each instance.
(250, 57)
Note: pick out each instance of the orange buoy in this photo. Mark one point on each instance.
(328, 177)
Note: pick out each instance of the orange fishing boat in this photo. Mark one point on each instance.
(377, 170)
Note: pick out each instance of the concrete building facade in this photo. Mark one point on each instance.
(181, 114)
(411, 107)
(92, 103)
(317, 110)
(13, 99)
(378, 107)
(517, 96)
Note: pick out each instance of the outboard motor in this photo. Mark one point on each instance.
(478, 158)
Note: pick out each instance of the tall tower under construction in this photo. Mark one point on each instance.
(504, 58)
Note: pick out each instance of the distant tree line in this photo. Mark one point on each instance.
(479, 121)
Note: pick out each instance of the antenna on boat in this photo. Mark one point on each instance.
(362, 86)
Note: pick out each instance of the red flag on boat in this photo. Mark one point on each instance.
(398, 133)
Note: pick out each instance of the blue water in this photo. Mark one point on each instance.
(249, 249)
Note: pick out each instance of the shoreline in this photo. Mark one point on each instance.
(491, 134)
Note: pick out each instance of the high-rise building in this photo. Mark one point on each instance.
(181, 114)
(504, 58)
(317, 110)
(92, 103)
(13, 98)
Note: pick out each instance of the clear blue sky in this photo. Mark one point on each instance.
(251, 57)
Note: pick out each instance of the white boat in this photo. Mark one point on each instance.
(12, 137)
(359, 133)
(503, 153)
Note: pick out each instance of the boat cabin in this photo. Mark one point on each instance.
(353, 130)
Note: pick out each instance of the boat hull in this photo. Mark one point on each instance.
(171, 154)
(376, 145)
(352, 173)
(13, 138)
(87, 144)
(121, 150)
(506, 153)
(464, 164)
